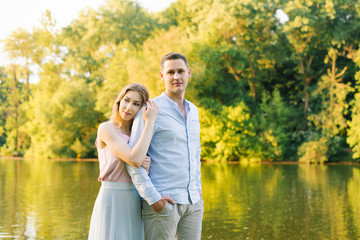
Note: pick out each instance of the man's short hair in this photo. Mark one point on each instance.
(173, 56)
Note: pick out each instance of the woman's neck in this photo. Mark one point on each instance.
(124, 127)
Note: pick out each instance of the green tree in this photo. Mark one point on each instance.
(177, 14)
(3, 105)
(256, 78)
(212, 84)
(276, 123)
(229, 134)
(244, 38)
(313, 28)
(92, 39)
(14, 93)
(307, 34)
(63, 121)
(116, 76)
(354, 124)
(331, 120)
(143, 65)
(19, 46)
(29, 49)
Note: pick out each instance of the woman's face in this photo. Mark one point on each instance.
(130, 105)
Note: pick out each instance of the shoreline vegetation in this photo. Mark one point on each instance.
(347, 162)
(271, 81)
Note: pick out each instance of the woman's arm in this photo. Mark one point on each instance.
(135, 156)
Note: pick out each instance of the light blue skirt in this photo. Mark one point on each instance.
(117, 213)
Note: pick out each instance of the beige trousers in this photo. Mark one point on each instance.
(181, 220)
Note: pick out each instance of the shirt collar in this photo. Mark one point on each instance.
(174, 104)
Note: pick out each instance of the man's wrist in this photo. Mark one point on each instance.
(153, 199)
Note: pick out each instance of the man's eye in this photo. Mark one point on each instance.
(126, 100)
(137, 104)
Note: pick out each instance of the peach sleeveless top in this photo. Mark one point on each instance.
(112, 168)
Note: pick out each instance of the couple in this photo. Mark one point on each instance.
(168, 130)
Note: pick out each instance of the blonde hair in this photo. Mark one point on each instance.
(136, 87)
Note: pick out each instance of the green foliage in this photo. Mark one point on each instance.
(228, 134)
(314, 151)
(93, 39)
(353, 132)
(211, 72)
(120, 21)
(267, 88)
(12, 113)
(63, 119)
(79, 148)
(276, 122)
(331, 120)
(338, 149)
(131, 65)
(177, 14)
(3, 106)
(116, 76)
(354, 128)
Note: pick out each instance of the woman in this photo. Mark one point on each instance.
(117, 210)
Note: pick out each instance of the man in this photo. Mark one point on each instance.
(172, 201)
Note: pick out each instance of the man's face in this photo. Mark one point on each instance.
(175, 75)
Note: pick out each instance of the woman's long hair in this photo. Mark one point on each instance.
(136, 87)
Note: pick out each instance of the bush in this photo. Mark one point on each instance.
(314, 151)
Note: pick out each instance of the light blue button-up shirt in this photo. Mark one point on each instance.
(175, 154)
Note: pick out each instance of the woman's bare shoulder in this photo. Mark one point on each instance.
(107, 124)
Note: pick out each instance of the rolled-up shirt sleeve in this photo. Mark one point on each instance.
(139, 176)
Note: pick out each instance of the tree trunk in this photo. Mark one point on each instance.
(17, 109)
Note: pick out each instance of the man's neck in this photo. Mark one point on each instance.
(178, 99)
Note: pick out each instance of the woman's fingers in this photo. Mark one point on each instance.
(150, 105)
(151, 111)
(146, 162)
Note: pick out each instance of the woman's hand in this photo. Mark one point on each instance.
(151, 111)
(146, 163)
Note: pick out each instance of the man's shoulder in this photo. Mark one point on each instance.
(157, 99)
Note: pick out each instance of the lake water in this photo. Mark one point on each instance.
(54, 200)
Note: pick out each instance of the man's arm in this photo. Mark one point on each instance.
(143, 184)
(139, 176)
(198, 159)
(198, 173)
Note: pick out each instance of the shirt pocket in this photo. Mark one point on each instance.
(194, 131)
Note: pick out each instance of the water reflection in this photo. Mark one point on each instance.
(46, 200)
(281, 202)
(54, 200)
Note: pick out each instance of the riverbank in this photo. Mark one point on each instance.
(233, 162)
(53, 159)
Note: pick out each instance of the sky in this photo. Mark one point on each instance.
(26, 14)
